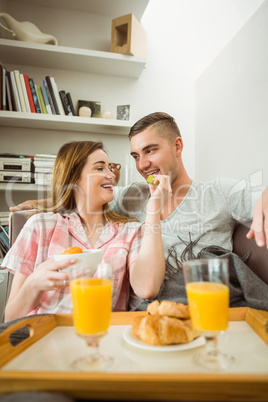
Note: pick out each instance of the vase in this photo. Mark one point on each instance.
(26, 31)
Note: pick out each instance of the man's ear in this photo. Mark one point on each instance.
(178, 143)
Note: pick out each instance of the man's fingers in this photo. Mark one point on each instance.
(22, 207)
(250, 234)
(257, 231)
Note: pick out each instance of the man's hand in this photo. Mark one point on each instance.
(259, 227)
(30, 204)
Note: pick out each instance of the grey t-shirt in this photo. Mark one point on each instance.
(205, 217)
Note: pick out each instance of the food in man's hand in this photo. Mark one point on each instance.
(73, 250)
(150, 180)
(162, 329)
(169, 308)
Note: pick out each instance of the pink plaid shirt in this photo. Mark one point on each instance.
(46, 234)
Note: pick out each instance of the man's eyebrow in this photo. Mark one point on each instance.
(145, 148)
(95, 163)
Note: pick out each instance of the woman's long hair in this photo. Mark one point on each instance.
(67, 170)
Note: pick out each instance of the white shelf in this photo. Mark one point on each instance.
(73, 59)
(66, 123)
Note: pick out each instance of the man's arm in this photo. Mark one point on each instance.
(259, 227)
(30, 204)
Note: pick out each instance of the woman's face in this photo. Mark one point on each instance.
(95, 186)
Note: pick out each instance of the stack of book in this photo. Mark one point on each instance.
(4, 218)
(4, 240)
(43, 164)
(20, 93)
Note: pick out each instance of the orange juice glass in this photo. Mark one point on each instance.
(92, 299)
(207, 288)
(209, 305)
(92, 306)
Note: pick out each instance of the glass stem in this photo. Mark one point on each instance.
(212, 345)
(93, 348)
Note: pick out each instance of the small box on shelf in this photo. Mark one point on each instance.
(128, 36)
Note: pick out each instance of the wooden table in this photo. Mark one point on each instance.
(142, 381)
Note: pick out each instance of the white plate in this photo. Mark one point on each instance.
(133, 341)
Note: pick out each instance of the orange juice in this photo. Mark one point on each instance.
(209, 305)
(92, 305)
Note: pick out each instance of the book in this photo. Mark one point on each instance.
(37, 94)
(57, 96)
(69, 98)
(42, 179)
(47, 170)
(27, 104)
(1, 78)
(44, 163)
(65, 103)
(41, 99)
(3, 92)
(4, 240)
(9, 100)
(4, 218)
(29, 93)
(15, 91)
(35, 97)
(4, 235)
(44, 156)
(44, 93)
(49, 85)
(49, 97)
(20, 92)
(11, 91)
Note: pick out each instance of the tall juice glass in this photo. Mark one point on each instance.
(208, 298)
(92, 306)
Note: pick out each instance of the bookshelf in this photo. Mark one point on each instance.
(83, 64)
(73, 59)
(66, 123)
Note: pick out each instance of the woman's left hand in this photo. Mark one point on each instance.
(160, 193)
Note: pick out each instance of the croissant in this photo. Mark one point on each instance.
(171, 309)
(163, 330)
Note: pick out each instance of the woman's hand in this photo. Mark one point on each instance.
(48, 275)
(26, 292)
(160, 193)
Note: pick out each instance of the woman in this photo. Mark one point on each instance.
(82, 187)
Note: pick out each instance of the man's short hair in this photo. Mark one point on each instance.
(164, 124)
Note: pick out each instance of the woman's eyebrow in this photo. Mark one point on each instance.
(95, 163)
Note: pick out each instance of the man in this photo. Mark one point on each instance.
(198, 214)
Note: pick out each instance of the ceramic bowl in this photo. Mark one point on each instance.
(89, 259)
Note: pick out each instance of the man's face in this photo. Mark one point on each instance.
(154, 154)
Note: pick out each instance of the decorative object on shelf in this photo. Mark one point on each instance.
(115, 168)
(85, 111)
(123, 112)
(128, 36)
(95, 107)
(26, 31)
(106, 114)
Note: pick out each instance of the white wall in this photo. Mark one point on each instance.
(231, 107)
(184, 36)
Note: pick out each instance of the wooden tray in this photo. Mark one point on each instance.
(132, 386)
